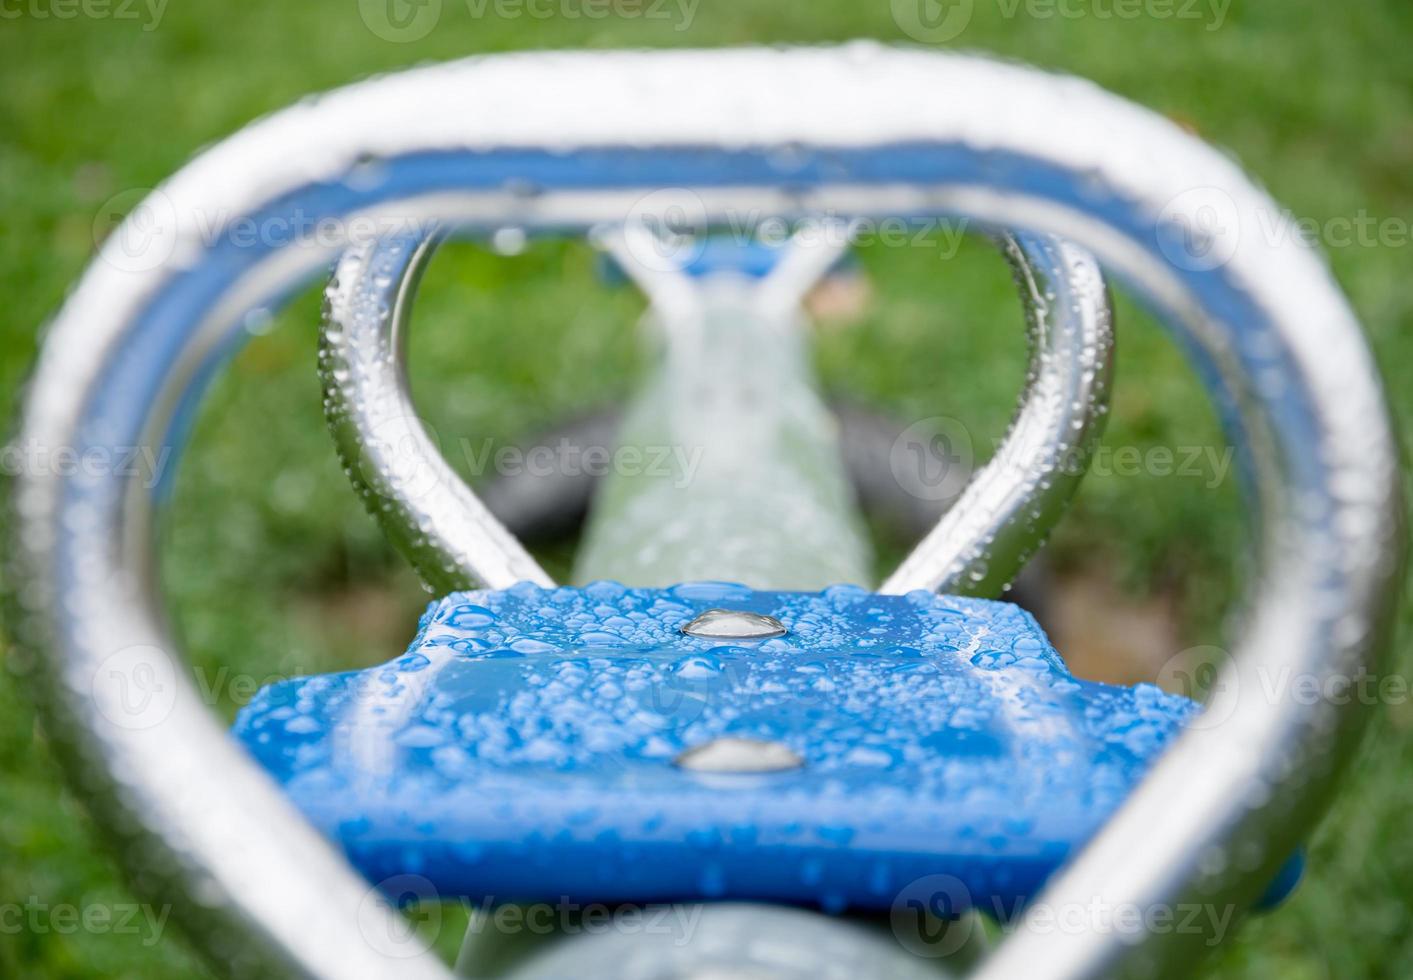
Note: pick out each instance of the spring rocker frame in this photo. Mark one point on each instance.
(855, 130)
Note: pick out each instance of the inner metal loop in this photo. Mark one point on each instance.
(999, 518)
(424, 507)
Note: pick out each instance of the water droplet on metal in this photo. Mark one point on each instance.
(730, 754)
(732, 624)
(509, 240)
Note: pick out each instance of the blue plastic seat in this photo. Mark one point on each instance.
(528, 746)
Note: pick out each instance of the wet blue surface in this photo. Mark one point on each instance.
(522, 748)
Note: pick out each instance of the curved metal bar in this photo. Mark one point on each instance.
(998, 520)
(426, 509)
(1009, 506)
(193, 820)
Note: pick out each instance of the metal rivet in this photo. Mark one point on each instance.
(734, 624)
(730, 754)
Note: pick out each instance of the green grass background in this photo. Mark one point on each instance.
(273, 568)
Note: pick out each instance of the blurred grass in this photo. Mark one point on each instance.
(272, 567)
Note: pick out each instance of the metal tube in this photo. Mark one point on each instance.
(748, 483)
(1009, 506)
(745, 482)
(423, 506)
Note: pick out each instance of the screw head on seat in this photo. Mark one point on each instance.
(731, 754)
(733, 624)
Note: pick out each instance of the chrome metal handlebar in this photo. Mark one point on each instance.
(999, 518)
(424, 507)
